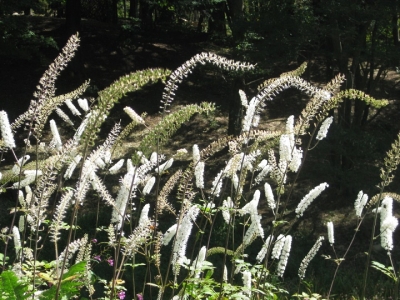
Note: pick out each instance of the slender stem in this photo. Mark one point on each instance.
(371, 243)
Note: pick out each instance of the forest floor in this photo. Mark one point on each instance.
(109, 52)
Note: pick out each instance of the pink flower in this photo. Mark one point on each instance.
(97, 257)
(110, 261)
(121, 295)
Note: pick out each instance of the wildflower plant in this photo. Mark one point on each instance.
(165, 210)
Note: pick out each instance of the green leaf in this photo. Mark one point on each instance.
(388, 271)
(10, 287)
(70, 284)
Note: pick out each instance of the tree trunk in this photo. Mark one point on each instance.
(114, 11)
(146, 15)
(395, 33)
(216, 24)
(200, 22)
(236, 108)
(124, 3)
(72, 26)
(235, 12)
(134, 8)
(72, 16)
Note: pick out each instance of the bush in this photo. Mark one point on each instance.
(19, 43)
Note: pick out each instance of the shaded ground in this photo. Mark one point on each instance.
(105, 54)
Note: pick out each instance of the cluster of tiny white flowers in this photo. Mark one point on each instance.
(100, 163)
(17, 240)
(243, 98)
(279, 242)
(133, 115)
(290, 129)
(139, 236)
(64, 116)
(19, 164)
(238, 188)
(323, 130)
(284, 256)
(81, 128)
(144, 215)
(181, 152)
(199, 174)
(265, 169)
(75, 161)
(295, 163)
(227, 205)
(73, 248)
(263, 163)
(331, 237)
(249, 160)
(250, 114)
(251, 207)
(254, 229)
(310, 255)
(186, 68)
(33, 173)
(30, 177)
(198, 262)
(360, 203)
(279, 173)
(285, 149)
(165, 166)
(149, 185)
(72, 107)
(288, 151)
(388, 223)
(307, 199)
(154, 157)
(325, 95)
(196, 154)
(217, 184)
(233, 164)
(225, 274)
(268, 243)
(246, 276)
(182, 236)
(83, 103)
(6, 132)
(122, 197)
(169, 234)
(270, 197)
(56, 135)
(118, 165)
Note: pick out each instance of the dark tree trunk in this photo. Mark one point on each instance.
(114, 11)
(72, 16)
(124, 3)
(235, 12)
(146, 15)
(134, 8)
(72, 26)
(60, 13)
(236, 108)
(216, 24)
(200, 22)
